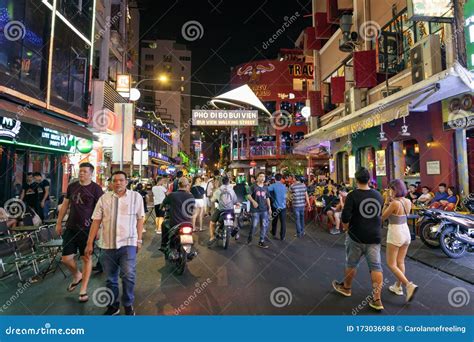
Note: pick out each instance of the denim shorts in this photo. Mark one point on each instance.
(355, 250)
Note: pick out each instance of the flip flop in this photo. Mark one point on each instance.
(73, 286)
(83, 297)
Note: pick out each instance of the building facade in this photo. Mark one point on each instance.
(45, 63)
(165, 66)
(283, 85)
(391, 91)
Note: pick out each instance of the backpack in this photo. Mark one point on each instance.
(226, 198)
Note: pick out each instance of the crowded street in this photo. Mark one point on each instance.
(240, 281)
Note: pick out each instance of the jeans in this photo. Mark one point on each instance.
(46, 209)
(262, 218)
(299, 217)
(124, 260)
(279, 214)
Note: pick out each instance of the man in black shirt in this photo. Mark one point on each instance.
(181, 208)
(43, 194)
(362, 219)
(29, 193)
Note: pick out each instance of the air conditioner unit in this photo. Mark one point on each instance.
(353, 98)
(425, 58)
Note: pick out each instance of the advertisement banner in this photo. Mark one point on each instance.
(124, 113)
(204, 117)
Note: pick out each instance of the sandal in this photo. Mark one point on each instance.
(73, 286)
(83, 297)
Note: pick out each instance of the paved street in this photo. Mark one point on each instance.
(240, 280)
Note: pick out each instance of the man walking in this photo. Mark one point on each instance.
(260, 209)
(278, 194)
(81, 198)
(43, 194)
(121, 214)
(299, 197)
(361, 217)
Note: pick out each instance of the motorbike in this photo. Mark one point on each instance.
(431, 223)
(457, 235)
(225, 228)
(243, 215)
(179, 249)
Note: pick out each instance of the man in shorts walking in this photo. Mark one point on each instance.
(362, 220)
(81, 198)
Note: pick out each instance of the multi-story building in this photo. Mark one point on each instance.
(391, 89)
(165, 66)
(45, 63)
(283, 85)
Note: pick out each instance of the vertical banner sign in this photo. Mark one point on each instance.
(380, 166)
(127, 133)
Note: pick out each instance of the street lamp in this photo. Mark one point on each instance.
(163, 78)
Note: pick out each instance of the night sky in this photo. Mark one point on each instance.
(233, 32)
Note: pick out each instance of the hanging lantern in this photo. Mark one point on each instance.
(404, 132)
(417, 148)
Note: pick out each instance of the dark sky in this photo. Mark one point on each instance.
(233, 32)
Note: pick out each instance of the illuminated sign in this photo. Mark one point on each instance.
(123, 83)
(25, 134)
(430, 10)
(84, 145)
(352, 166)
(9, 127)
(469, 32)
(225, 117)
(298, 70)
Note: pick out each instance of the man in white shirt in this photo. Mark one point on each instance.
(121, 214)
(159, 194)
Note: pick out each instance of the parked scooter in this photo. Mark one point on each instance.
(457, 235)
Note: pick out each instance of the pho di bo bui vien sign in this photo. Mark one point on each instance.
(225, 117)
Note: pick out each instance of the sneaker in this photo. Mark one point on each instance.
(411, 290)
(334, 231)
(129, 311)
(376, 304)
(261, 244)
(158, 232)
(339, 287)
(112, 311)
(211, 242)
(397, 289)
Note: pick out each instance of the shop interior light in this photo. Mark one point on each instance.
(404, 151)
(417, 148)
(429, 142)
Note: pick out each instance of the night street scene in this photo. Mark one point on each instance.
(244, 159)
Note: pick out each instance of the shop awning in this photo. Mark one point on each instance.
(415, 98)
(37, 118)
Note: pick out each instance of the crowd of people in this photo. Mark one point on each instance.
(113, 220)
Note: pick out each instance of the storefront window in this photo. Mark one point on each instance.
(298, 118)
(405, 160)
(263, 146)
(22, 53)
(70, 61)
(78, 13)
(367, 159)
(286, 143)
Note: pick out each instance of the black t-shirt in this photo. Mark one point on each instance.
(198, 192)
(181, 205)
(82, 201)
(241, 192)
(42, 188)
(363, 211)
(31, 194)
(260, 195)
(143, 193)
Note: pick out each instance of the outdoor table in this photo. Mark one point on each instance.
(25, 229)
(58, 244)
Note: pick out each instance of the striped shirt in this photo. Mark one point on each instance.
(298, 194)
(119, 217)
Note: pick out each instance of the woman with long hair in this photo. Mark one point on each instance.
(396, 210)
(198, 192)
